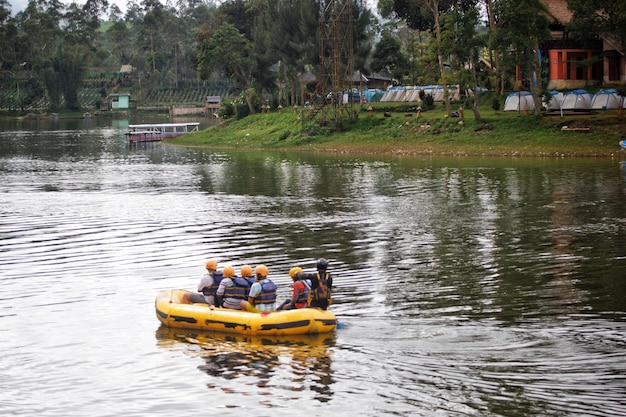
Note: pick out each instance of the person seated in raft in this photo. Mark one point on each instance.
(262, 296)
(246, 273)
(321, 285)
(232, 289)
(207, 287)
(301, 291)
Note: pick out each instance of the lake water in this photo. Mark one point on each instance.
(464, 287)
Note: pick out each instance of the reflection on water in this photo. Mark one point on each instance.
(470, 286)
(293, 363)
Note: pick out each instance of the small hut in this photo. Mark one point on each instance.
(212, 104)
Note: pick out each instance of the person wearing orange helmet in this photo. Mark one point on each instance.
(246, 272)
(232, 289)
(208, 285)
(301, 291)
(262, 296)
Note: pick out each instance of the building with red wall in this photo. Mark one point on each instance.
(569, 65)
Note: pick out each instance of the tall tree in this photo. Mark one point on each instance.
(522, 26)
(421, 14)
(388, 57)
(462, 44)
(8, 37)
(595, 18)
(228, 51)
(150, 32)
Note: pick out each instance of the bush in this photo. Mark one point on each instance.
(428, 100)
(284, 135)
(226, 111)
(317, 130)
(495, 104)
(241, 110)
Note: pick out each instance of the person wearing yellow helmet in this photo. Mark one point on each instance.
(262, 296)
(301, 291)
(207, 286)
(232, 289)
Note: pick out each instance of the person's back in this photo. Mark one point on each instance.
(301, 290)
(208, 285)
(262, 296)
(321, 286)
(232, 289)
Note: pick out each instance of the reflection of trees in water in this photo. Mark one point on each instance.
(303, 360)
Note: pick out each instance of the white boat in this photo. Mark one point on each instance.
(159, 131)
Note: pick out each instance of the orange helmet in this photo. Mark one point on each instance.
(211, 264)
(295, 270)
(246, 271)
(229, 271)
(261, 270)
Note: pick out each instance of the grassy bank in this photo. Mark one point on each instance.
(498, 133)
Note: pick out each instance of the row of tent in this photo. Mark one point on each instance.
(412, 93)
(398, 94)
(575, 100)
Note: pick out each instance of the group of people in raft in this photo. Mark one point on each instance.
(258, 294)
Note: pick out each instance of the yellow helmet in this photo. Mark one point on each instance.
(246, 271)
(229, 271)
(261, 270)
(211, 264)
(295, 270)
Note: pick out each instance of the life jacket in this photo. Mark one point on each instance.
(322, 292)
(267, 294)
(212, 289)
(239, 290)
(303, 296)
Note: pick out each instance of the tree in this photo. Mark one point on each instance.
(421, 14)
(363, 22)
(521, 27)
(461, 42)
(150, 32)
(388, 57)
(228, 51)
(594, 18)
(8, 37)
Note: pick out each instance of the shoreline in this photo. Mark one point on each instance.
(497, 134)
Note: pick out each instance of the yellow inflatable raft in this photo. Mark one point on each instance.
(173, 313)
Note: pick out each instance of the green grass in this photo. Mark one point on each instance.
(497, 133)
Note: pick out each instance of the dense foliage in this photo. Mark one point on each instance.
(258, 50)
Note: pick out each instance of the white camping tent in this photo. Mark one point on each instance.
(605, 100)
(387, 94)
(555, 101)
(577, 100)
(519, 101)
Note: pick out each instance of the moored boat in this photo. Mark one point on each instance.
(172, 312)
(159, 131)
